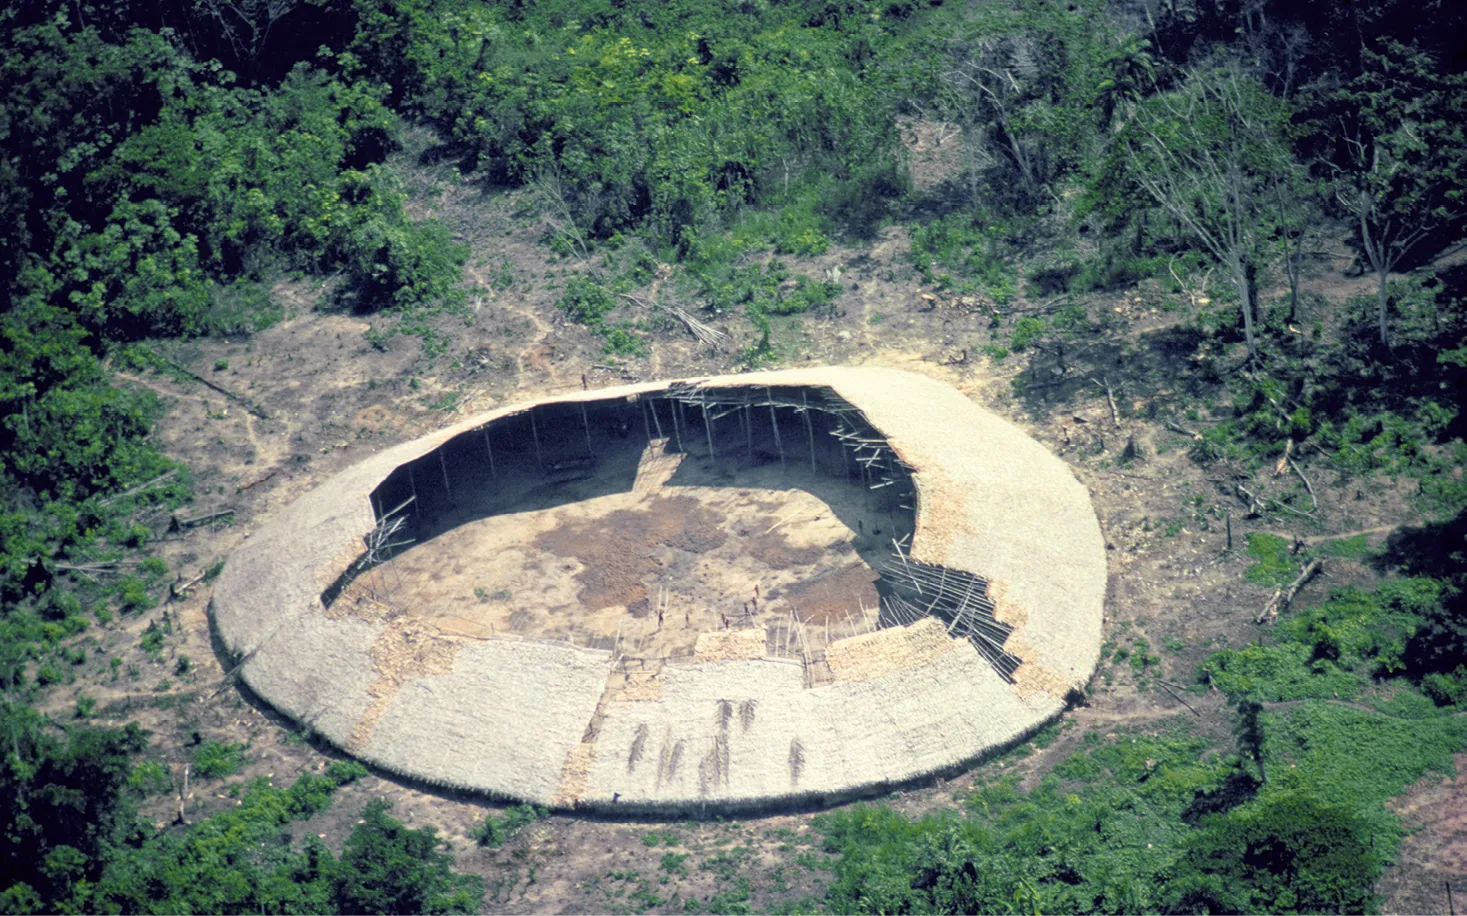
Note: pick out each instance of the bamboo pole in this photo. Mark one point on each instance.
(708, 428)
(656, 420)
(586, 425)
(443, 463)
(809, 428)
(774, 422)
(749, 431)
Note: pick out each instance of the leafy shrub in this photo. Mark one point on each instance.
(1446, 689)
(1276, 673)
(960, 244)
(496, 831)
(1273, 560)
(586, 302)
(149, 778)
(213, 759)
(1286, 853)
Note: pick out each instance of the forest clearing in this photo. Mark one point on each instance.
(1208, 256)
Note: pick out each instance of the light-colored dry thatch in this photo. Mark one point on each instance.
(514, 718)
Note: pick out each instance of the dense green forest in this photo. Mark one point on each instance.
(162, 164)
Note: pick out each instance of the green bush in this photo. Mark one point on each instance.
(1287, 853)
(214, 759)
(586, 302)
(496, 831)
(1446, 689)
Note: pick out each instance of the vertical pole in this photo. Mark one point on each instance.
(443, 463)
(414, 484)
(708, 428)
(586, 425)
(748, 431)
(676, 427)
(535, 434)
(890, 495)
(490, 449)
(646, 423)
(774, 422)
(652, 406)
(865, 479)
(809, 428)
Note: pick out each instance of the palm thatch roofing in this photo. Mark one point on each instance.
(719, 731)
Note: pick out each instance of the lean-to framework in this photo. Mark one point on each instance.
(992, 583)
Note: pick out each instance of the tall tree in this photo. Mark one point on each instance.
(1399, 160)
(1210, 154)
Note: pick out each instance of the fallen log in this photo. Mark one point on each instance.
(1283, 597)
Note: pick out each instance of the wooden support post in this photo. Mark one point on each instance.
(809, 428)
(656, 421)
(865, 481)
(891, 497)
(490, 449)
(443, 463)
(749, 431)
(413, 483)
(535, 434)
(677, 427)
(586, 425)
(646, 423)
(708, 428)
(774, 422)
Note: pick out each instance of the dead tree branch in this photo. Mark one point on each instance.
(1283, 597)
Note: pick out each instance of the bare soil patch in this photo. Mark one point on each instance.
(690, 548)
(1435, 854)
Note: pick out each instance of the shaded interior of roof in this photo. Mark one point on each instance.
(540, 451)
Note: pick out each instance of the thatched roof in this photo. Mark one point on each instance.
(721, 730)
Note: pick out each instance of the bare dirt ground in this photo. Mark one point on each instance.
(327, 396)
(646, 570)
(1433, 857)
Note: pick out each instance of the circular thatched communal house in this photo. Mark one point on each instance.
(723, 593)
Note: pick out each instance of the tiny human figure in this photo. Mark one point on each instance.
(584, 383)
(687, 619)
(724, 618)
(659, 619)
